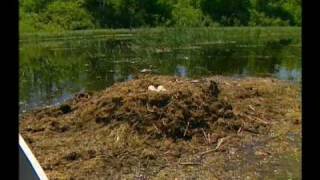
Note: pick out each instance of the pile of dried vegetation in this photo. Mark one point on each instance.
(129, 130)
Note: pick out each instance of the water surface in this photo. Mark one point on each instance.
(52, 73)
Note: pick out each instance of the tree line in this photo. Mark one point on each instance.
(47, 15)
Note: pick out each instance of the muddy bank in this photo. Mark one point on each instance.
(210, 128)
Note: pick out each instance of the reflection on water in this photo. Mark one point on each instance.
(181, 71)
(284, 73)
(50, 75)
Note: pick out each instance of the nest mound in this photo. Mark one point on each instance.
(183, 109)
(130, 130)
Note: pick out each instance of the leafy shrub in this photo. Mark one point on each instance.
(67, 15)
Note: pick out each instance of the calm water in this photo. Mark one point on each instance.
(51, 74)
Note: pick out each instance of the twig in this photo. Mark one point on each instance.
(259, 119)
(256, 118)
(100, 156)
(251, 108)
(148, 109)
(220, 141)
(156, 127)
(185, 131)
(205, 136)
(251, 131)
(189, 163)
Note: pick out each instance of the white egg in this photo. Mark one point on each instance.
(158, 89)
(152, 88)
(161, 88)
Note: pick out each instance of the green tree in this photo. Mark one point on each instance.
(227, 12)
(286, 10)
(34, 6)
(46, 15)
(184, 14)
(134, 13)
(260, 19)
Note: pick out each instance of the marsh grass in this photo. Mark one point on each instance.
(172, 36)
